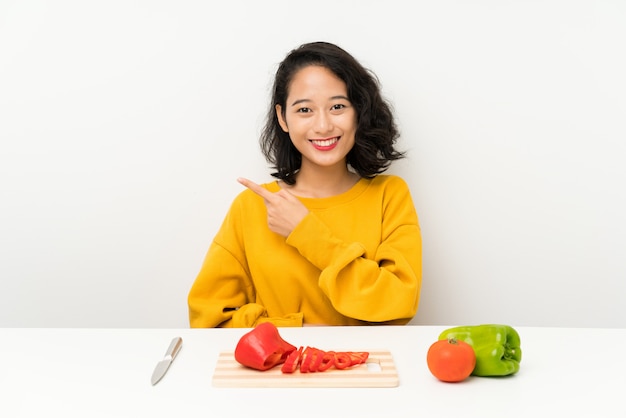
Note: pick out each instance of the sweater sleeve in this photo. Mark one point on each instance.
(222, 296)
(223, 293)
(219, 290)
(385, 285)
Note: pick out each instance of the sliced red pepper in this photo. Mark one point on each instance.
(263, 348)
(358, 357)
(307, 358)
(317, 356)
(342, 360)
(293, 361)
(328, 361)
(311, 360)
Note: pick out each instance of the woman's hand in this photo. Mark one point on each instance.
(284, 210)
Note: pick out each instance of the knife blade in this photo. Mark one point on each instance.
(163, 365)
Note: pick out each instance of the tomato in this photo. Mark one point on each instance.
(451, 360)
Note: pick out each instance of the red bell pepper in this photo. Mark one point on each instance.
(263, 348)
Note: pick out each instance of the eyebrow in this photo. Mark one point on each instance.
(339, 97)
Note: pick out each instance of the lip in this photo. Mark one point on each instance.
(321, 145)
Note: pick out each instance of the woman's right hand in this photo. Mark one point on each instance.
(284, 210)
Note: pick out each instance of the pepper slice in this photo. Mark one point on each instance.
(263, 348)
(358, 357)
(307, 360)
(292, 362)
(342, 360)
(316, 359)
(328, 361)
(497, 347)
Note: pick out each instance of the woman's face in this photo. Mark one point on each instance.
(319, 118)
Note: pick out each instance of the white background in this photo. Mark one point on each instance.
(124, 125)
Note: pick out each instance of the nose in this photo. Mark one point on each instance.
(323, 122)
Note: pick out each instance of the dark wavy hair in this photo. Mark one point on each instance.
(376, 133)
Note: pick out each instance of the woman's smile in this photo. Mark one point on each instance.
(325, 144)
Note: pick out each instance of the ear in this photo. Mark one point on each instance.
(281, 120)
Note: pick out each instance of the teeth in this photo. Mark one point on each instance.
(325, 143)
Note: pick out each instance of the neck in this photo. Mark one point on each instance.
(323, 183)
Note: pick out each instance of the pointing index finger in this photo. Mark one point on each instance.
(264, 193)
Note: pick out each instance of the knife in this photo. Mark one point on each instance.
(170, 355)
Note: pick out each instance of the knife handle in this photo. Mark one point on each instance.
(174, 347)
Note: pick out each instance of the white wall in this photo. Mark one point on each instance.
(123, 126)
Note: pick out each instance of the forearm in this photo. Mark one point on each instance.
(367, 291)
(377, 287)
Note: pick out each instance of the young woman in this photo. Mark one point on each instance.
(332, 241)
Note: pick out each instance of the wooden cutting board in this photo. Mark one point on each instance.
(379, 371)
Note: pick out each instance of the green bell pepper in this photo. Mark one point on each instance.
(497, 347)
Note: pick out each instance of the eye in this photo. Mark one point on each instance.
(303, 110)
(337, 108)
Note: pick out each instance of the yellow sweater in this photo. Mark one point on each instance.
(355, 259)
